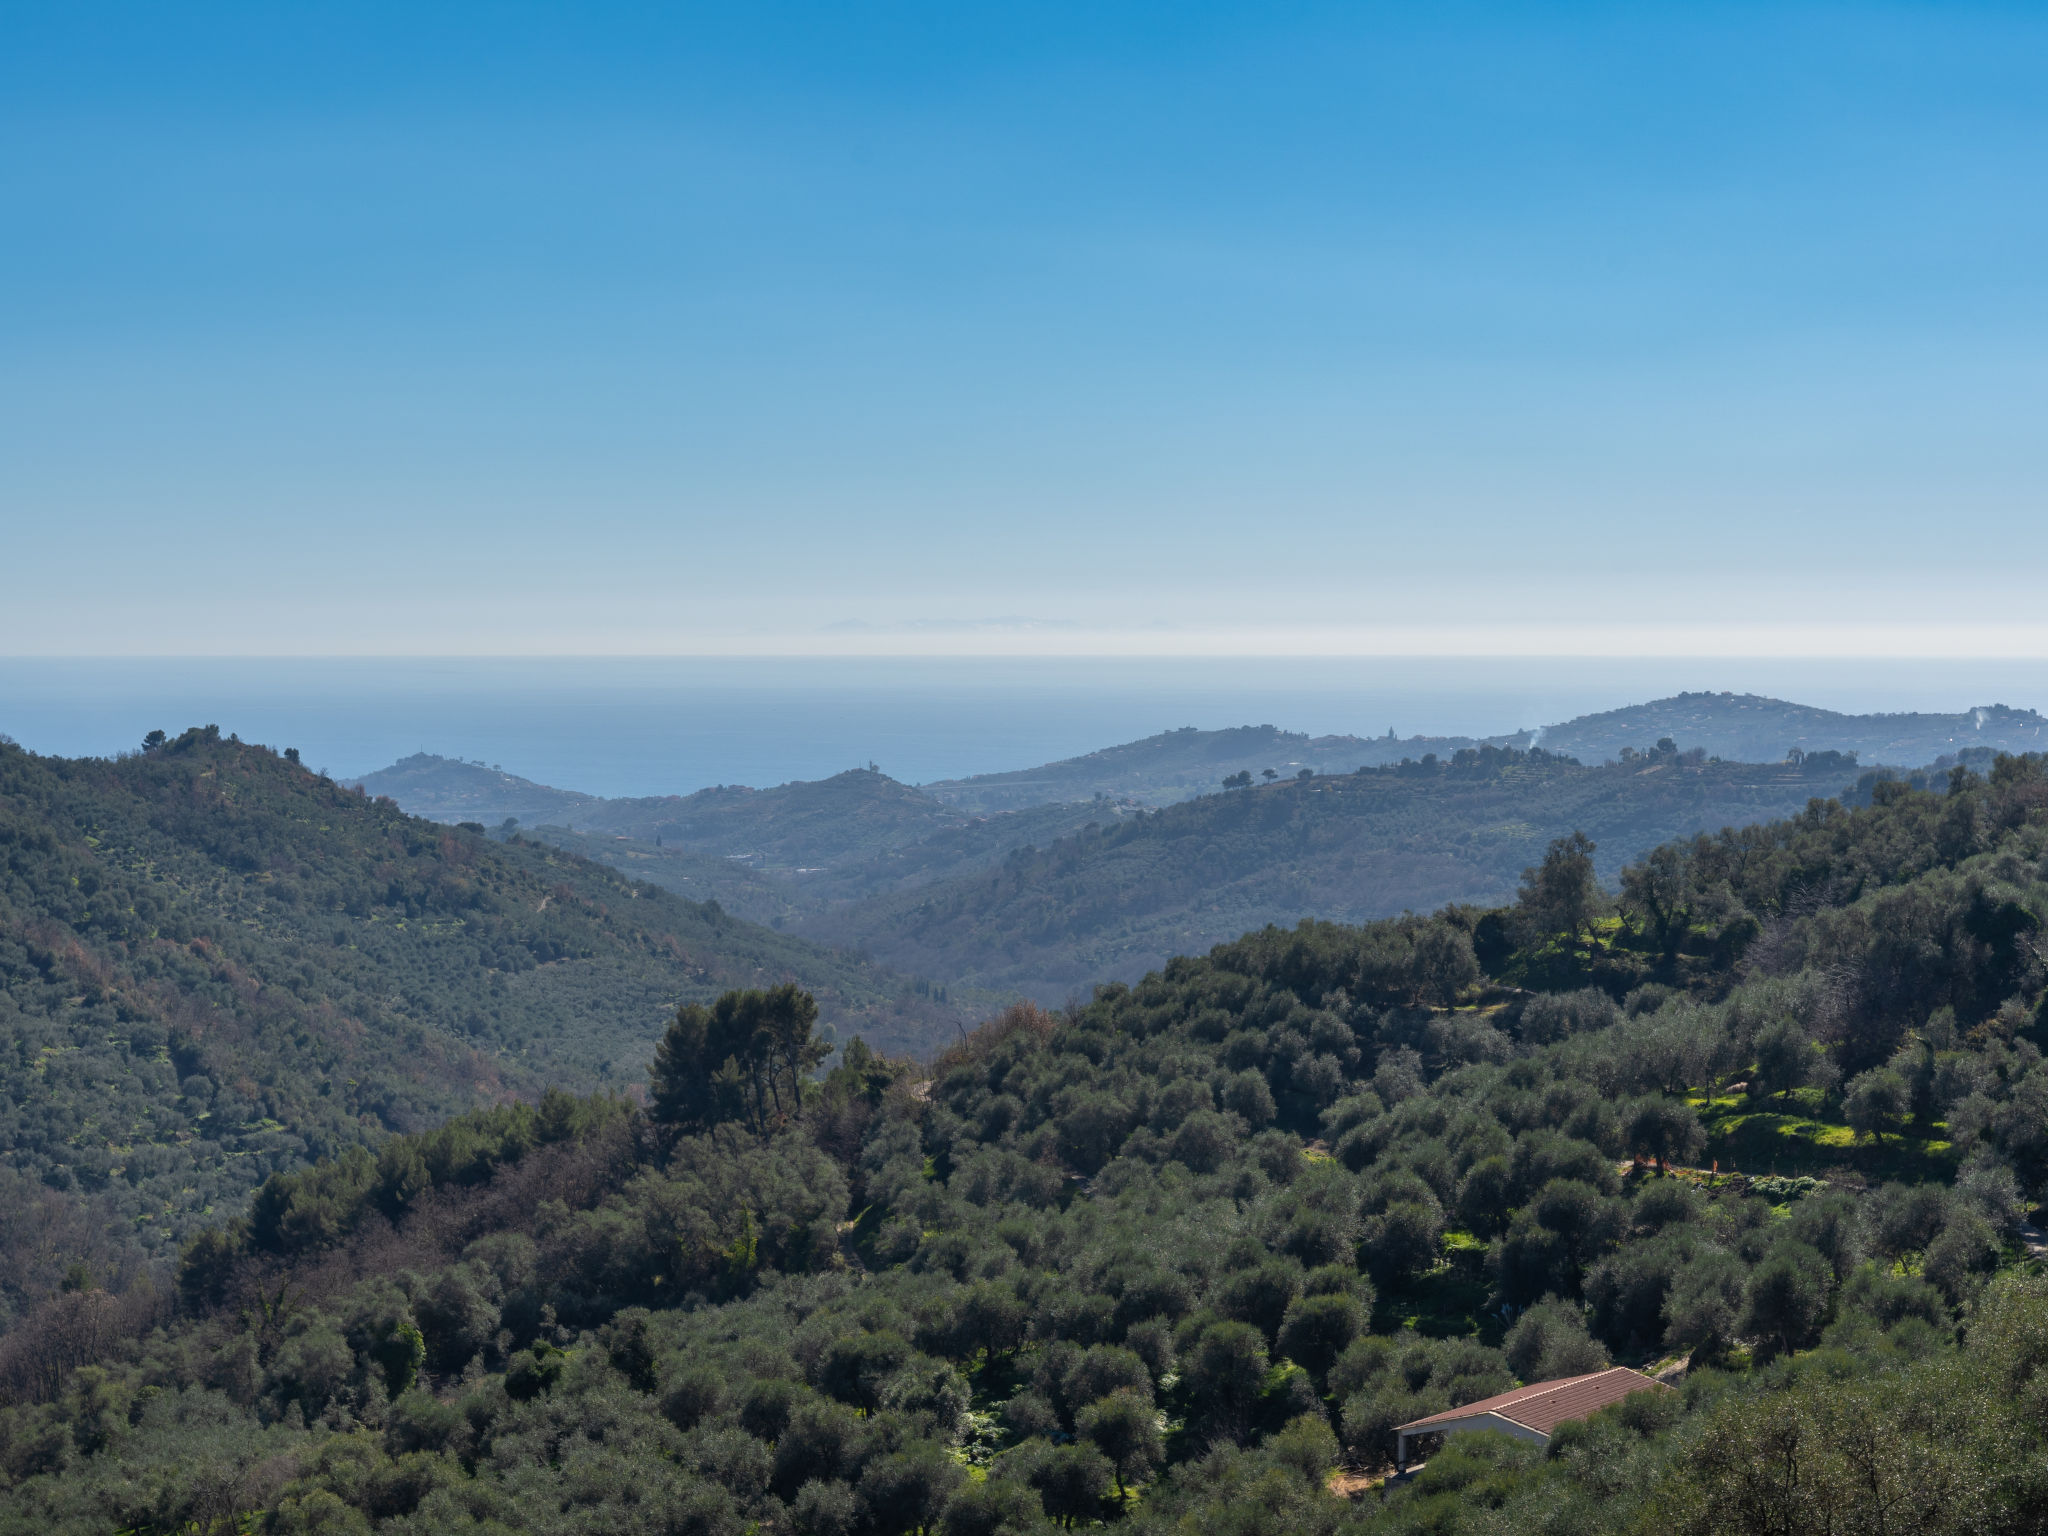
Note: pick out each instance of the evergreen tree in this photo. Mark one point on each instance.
(1560, 895)
(747, 1057)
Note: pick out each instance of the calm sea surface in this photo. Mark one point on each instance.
(659, 726)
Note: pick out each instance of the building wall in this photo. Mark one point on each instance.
(1492, 1421)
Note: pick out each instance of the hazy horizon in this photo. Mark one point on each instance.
(640, 726)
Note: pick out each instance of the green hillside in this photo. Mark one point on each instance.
(758, 896)
(1116, 901)
(977, 845)
(215, 964)
(1055, 896)
(791, 827)
(1046, 880)
(1748, 728)
(451, 790)
(864, 813)
(1175, 765)
(764, 853)
(787, 828)
(1182, 1259)
(753, 888)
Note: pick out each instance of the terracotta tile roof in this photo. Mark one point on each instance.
(1544, 1405)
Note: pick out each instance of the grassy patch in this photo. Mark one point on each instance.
(1449, 1302)
(1793, 1135)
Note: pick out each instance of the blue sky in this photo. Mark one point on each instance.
(517, 328)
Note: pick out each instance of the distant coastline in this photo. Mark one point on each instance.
(645, 726)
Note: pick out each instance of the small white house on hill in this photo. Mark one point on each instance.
(1532, 1412)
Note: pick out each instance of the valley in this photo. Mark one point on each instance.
(1187, 1254)
(1049, 879)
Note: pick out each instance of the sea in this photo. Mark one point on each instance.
(671, 725)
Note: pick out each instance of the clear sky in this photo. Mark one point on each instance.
(589, 328)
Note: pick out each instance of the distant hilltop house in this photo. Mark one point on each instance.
(1531, 1413)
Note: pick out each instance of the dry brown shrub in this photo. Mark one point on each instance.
(1026, 1017)
(67, 1331)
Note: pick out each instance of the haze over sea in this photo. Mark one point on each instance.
(643, 726)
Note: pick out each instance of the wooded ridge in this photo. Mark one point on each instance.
(215, 965)
(1174, 1258)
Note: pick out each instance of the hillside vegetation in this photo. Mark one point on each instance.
(1047, 880)
(761, 891)
(451, 790)
(215, 964)
(1170, 1260)
(1176, 765)
(1117, 900)
(770, 855)
(1745, 727)
(789, 827)
(735, 884)
(866, 812)
(1053, 897)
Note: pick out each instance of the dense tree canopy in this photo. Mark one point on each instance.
(1113, 900)
(746, 1057)
(216, 965)
(1173, 1257)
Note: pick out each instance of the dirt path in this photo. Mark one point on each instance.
(1347, 1484)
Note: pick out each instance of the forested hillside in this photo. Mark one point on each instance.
(215, 964)
(1053, 897)
(769, 854)
(763, 891)
(1115, 901)
(1745, 727)
(1176, 765)
(789, 827)
(1173, 1260)
(736, 884)
(451, 790)
(866, 813)
(1051, 879)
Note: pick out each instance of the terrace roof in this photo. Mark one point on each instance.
(1544, 1405)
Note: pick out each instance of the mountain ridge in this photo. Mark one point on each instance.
(1754, 728)
(932, 885)
(215, 963)
(1116, 901)
(1180, 764)
(1736, 727)
(1210, 1240)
